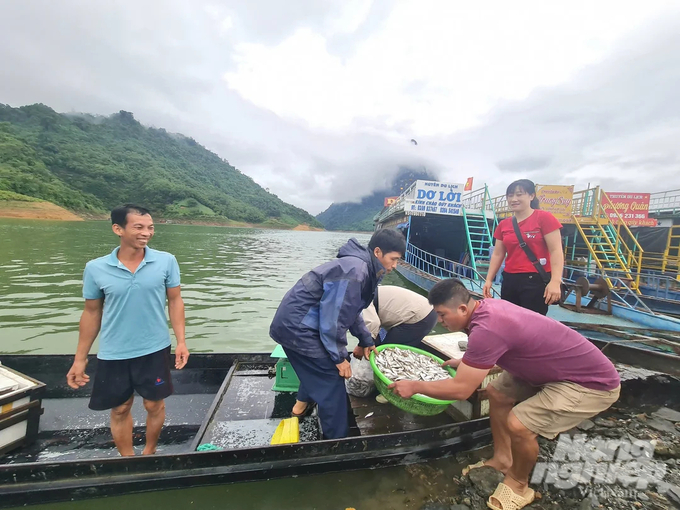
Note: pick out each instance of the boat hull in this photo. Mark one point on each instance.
(660, 322)
(44, 482)
(35, 482)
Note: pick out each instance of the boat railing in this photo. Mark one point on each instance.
(657, 261)
(660, 286)
(584, 202)
(665, 202)
(478, 200)
(624, 238)
(492, 207)
(620, 291)
(441, 267)
(501, 207)
(592, 209)
(658, 283)
(396, 206)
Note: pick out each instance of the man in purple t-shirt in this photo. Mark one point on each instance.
(553, 379)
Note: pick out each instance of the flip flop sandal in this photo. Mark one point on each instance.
(308, 410)
(472, 466)
(508, 499)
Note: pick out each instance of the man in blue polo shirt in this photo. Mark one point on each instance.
(125, 295)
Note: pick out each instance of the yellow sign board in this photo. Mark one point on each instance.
(557, 200)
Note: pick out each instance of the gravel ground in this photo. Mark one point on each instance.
(635, 441)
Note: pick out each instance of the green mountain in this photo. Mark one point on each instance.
(90, 164)
(359, 216)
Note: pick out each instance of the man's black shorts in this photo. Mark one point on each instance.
(116, 380)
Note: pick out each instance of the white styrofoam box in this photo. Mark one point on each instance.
(13, 433)
(15, 396)
(487, 380)
(13, 405)
(464, 407)
(21, 382)
(7, 384)
(447, 344)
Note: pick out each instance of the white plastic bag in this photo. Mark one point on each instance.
(361, 383)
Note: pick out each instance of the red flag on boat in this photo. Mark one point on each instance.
(468, 184)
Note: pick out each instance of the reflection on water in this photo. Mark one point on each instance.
(394, 488)
(232, 280)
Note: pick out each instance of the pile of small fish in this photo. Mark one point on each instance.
(401, 364)
(361, 383)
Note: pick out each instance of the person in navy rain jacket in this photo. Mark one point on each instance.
(314, 316)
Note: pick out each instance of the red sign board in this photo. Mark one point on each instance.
(647, 222)
(389, 201)
(632, 207)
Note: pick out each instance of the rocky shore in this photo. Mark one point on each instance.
(626, 458)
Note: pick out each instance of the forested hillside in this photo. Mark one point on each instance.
(91, 163)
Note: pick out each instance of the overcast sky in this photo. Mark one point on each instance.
(318, 99)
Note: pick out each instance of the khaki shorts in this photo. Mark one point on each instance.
(556, 407)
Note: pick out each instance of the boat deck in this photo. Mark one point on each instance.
(373, 417)
(71, 431)
(233, 409)
(222, 400)
(249, 411)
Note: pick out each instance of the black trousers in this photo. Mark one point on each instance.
(320, 382)
(525, 290)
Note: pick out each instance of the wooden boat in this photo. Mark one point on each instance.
(222, 400)
(226, 401)
(425, 275)
(652, 349)
(464, 252)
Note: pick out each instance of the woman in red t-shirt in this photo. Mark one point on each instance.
(522, 283)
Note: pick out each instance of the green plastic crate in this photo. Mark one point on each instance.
(286, 378)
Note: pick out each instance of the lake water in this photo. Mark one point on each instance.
(232, 282)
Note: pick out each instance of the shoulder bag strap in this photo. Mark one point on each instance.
(530, 254)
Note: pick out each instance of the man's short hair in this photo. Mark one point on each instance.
(388, 240)
(451, 289)
(119, 214)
